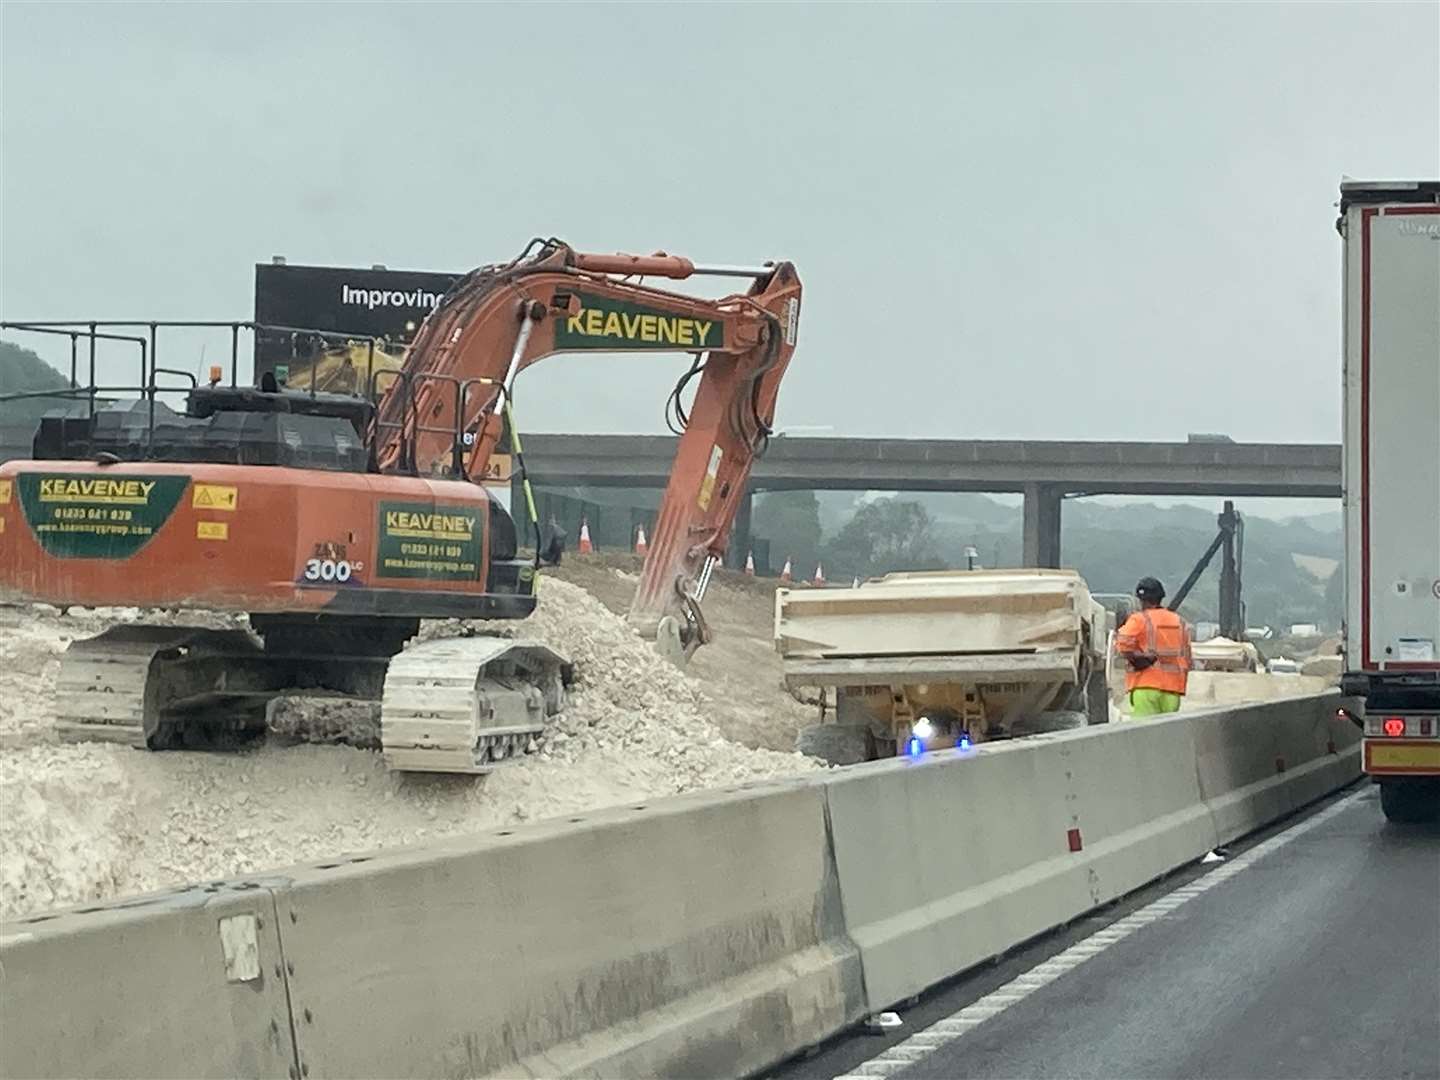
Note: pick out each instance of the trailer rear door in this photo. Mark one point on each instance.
(1392, 436)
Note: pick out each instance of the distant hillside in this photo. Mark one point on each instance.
(1331, 521)
(22, 371)
(1317, 565)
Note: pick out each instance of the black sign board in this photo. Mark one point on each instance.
(386, 304)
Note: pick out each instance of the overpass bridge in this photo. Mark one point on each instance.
(1044, 472)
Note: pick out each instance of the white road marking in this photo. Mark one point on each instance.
(955, 1026)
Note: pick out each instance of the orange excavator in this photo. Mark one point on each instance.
(337, 522)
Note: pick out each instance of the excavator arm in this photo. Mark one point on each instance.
(441, 414)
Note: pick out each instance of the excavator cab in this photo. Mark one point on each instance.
(220, 424)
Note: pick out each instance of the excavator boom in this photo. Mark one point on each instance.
(501, 319)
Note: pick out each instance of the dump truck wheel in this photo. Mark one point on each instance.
(838, 744)
(1410, 802)
(1053, 720)
(1097, 697)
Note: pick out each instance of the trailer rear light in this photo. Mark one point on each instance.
(1394, 726)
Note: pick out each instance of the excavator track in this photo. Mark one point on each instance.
(469, 705)
(168, 687)
(118, 686)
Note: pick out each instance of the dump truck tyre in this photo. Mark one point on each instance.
(1410, 802)
(1042, 723)
(1097, 697)
(838, 744)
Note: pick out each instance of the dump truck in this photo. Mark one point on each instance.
(912, 662)
(1391, 233)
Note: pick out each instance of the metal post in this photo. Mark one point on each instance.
(457, 439)
(92, 371)
(150, 427)
(1230, 618)
(148, 378)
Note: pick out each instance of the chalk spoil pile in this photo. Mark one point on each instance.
(90, 822)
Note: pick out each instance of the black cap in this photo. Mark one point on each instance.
(1149, 588)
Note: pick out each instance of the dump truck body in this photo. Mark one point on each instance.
(919, 661)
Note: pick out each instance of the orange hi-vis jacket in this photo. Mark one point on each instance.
(1160, 633)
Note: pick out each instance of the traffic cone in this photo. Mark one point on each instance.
(819, 578)
(640, 542)
(586, 547)
(785, 573)
(750, 563)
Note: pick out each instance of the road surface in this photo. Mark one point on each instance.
(1317, 954)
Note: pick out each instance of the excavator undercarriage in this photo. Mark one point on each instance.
(464, 705)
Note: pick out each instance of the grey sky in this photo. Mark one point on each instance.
(1043, 221)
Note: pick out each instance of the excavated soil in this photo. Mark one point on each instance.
(740, 669)
(81, 823)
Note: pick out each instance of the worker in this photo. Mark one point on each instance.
(1155, 643)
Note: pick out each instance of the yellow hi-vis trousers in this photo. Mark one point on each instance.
(1147, 701)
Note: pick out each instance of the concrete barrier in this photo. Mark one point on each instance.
(187, 984)
(701, 936)
(1319, 751)
(1259, 762)
(953, 858)
(708, 935)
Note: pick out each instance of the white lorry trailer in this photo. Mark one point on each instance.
(911, 662)
(1391, 234)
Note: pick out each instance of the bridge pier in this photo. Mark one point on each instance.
(740, 541)
(1041, 531)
